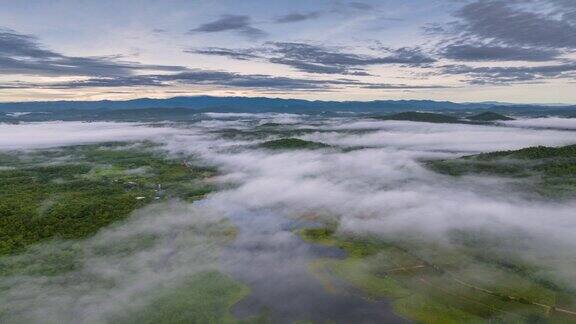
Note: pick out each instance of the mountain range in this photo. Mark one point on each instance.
(198, 104)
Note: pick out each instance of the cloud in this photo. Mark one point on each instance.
(297, 16)
(345, 7)
(420, 136)
(467, 52)
(384, 86)
(515, 30)
(505, 75)
(200, 77)
(320, 59)
(216, 79)
(236, 54)
(241, 24)
(509, 23)
(22, 54)
(384, 189)
(53, 134)
(546, 123)
(338, 7)
(360, 5)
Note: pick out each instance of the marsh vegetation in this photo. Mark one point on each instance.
(463, 281)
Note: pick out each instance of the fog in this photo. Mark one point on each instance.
(51, 134)
(546, 122)
(377, 185)
(428, 137)
(117, 271)
(384, 189)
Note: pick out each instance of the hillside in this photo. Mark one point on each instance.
(292, 144)
(489, 116)
(552, 170)
(420, 117)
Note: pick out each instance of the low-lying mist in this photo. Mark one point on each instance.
(52, 134)
(116, 272)
(371, 180)
(381, 187)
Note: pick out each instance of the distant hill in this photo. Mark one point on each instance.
(489, 116)
(552, 169)
(533, 153)
(292, 144)
(144, 114)
(421, 117)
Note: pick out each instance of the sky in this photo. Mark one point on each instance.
(519, 51)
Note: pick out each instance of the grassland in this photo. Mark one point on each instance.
(72, 192)
(435, 283)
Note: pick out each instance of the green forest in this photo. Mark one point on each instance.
(549, 171)
(72, 192)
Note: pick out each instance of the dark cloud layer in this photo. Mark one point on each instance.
(241, 24)
(511, 30)
(360, 5)
(219, 51)
(505, 75)
(385, 86)
(481, 52)
(218, 79)
(215, 78)
(346, 6)
(497, 30)
(319, 59)
(297, 16)
(337, 7)
(503, 21)
(22, 54)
